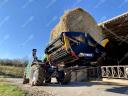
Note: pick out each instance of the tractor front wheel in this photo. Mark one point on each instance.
(37, 75)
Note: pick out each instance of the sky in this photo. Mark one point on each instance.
(26, 24)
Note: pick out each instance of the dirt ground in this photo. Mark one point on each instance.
(97, 88)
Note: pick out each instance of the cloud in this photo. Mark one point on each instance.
(27, 40)
(54, 18)
(6, 18)
(27, 3)
(51, 3)
(100, 3)
(3, 3)
(29, 20)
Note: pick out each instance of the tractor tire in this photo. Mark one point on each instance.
(37, 75)
(67, 77)
(48, 77)
(64, 77)
(48, 80)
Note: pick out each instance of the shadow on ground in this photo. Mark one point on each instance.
(80, 84)
(121, 90)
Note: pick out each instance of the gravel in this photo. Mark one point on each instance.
(96, 88)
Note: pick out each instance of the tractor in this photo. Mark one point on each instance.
(69, 50)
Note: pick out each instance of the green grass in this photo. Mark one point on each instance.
(7, 89)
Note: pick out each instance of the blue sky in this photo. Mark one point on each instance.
(26, 24)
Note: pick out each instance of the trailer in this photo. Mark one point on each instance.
(74, 49)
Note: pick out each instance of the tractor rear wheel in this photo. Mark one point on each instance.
(37, 75)
(64, 77)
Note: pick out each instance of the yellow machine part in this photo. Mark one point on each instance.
(104, 42)
(66, 40)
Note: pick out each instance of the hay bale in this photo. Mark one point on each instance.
(77, 20)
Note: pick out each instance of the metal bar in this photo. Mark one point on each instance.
(114, 71)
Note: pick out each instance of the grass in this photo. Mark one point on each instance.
(7, 89)
(11, 71)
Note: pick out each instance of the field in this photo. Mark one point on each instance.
(11, 71)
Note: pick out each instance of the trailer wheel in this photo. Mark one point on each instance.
(48, 80)
(37, 75)
(64, 77)
(67, 77)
